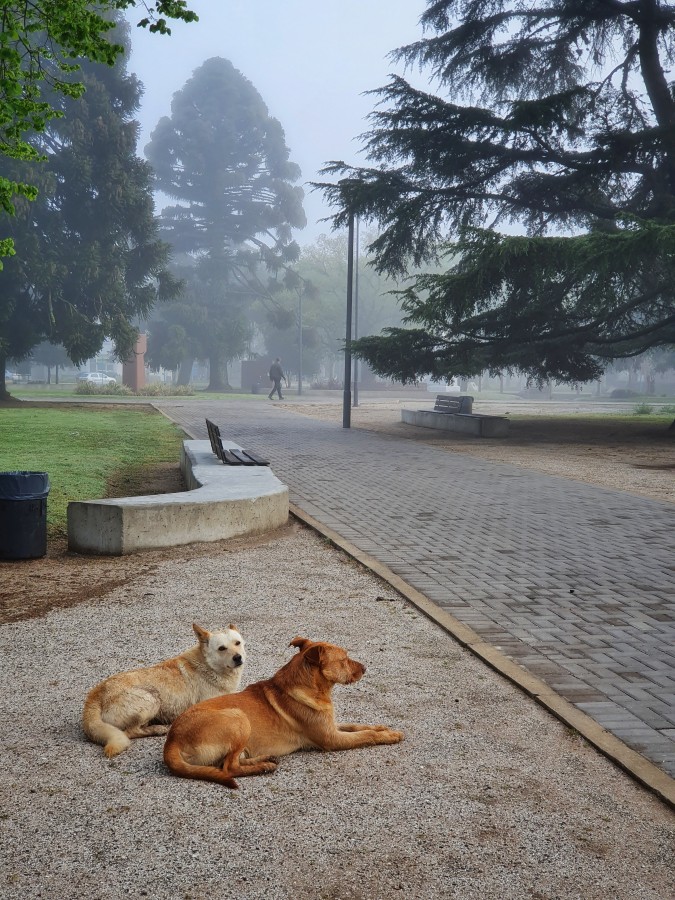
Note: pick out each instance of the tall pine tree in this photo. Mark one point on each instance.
(89, 261)
(224, 159)
(549, 153)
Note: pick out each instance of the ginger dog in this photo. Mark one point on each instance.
(242, 734)
(144, 702)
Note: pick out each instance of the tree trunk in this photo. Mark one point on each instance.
(217, 374)
(3, 387)
(185, 371)
(56, 374)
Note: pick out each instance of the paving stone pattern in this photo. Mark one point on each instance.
(575, 583)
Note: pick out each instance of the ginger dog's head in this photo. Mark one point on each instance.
(332, 662)
(221, 649)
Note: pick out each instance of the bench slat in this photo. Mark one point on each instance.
(256, 459)
(232, 456)
(242, 457)
(228, 458)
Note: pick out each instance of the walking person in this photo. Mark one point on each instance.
(276, 374)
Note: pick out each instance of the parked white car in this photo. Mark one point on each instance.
(96, 378)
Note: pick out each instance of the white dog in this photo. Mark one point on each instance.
(144, 702)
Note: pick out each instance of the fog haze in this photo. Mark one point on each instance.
(310, 61)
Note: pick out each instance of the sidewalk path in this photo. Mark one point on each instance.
(573, 582)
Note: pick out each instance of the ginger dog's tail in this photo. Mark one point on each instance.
(176, 764)
(113, 739)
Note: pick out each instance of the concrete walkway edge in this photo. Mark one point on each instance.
(645, 772)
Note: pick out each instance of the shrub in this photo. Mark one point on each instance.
(156, 389)
(86, 387)
(643, 409)
(623, 394)
(121, 390)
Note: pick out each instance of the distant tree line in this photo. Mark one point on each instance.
(91, 263)
(522, 216)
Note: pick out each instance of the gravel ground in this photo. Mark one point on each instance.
(487, 797)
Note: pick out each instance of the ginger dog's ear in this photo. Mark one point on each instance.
(300, 643)
(202, 634)
(313, 656)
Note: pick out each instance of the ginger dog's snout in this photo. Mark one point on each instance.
(358, 671)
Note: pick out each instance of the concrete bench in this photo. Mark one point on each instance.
(455, 413)
(221, 502)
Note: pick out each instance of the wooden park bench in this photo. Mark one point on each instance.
(231, 456)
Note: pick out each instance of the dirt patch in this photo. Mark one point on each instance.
(627, 456)
(30, 588)
(33, 587)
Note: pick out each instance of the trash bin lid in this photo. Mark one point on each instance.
(24, 485)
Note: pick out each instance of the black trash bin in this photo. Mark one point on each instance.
(23, 514)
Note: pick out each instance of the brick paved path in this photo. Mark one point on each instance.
(574, 582)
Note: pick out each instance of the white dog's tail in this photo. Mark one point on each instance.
(177, 766)
(113, 739)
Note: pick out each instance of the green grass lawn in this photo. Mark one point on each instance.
(67, 392)
(630, 421)
(42, 391)
(85, 451)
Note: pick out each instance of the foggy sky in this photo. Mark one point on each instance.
(310, 60)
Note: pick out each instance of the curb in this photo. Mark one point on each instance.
(635, 765)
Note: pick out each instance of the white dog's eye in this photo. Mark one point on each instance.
(222, 648)
(237, 643)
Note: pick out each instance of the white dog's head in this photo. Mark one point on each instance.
(221, 649)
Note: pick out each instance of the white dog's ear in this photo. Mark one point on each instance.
(300, 643)
(202, 634)
(233, 627)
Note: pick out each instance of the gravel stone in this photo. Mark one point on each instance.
(488, 796)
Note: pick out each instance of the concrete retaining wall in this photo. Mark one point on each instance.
(222, 502)
(481, 426)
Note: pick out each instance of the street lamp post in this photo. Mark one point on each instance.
(356, 313)
(347, 393)
(300, 340)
